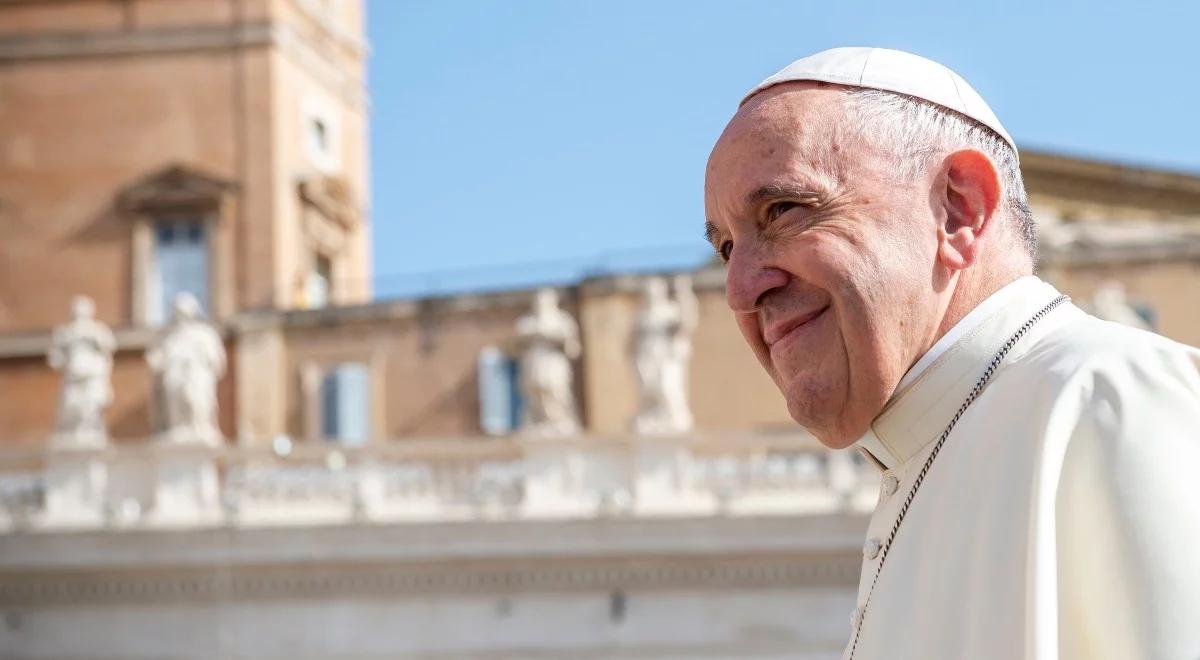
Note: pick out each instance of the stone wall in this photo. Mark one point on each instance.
(88, 127)
(729, 389)
(31, 390)
(99, 95)
(421, 355)
(1171, 289)
(699, 588)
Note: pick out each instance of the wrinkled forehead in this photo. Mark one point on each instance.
(788, 132)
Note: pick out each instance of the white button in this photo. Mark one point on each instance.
(871, 548)
(855, 618)
(890, 484)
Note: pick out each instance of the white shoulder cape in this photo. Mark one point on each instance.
(1061, 518)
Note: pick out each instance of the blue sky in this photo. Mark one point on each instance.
(515, 142)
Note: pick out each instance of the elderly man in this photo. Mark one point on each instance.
(1039, 497)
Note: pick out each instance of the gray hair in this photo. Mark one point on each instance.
(923, 130)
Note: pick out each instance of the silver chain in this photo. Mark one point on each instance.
(975, 392)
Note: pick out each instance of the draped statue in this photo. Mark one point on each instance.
(549, 339)
(82, 350)
(662, 349)
(1110, 303)
(188, 360)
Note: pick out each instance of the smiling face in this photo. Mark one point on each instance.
(830, 256)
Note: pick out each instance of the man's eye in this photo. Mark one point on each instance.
(726, 250)
(779, 208)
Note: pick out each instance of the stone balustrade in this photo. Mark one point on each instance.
(161, 485)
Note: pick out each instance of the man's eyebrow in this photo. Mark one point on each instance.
(710, 233)
(761, 194)
(780, 191)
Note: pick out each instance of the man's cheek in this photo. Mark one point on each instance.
(748, 325)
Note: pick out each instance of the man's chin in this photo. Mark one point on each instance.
(836, 440)
(829, 430)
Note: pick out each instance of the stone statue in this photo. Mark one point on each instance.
(188, 360)
(662, 349)
(82, 350)
(549, 340)
(1109, 303)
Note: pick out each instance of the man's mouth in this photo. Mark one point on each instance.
(780, 330)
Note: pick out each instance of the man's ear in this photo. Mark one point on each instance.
(970, 195)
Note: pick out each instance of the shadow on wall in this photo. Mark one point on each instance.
(107, 228)
(131, 416)
(464, 395)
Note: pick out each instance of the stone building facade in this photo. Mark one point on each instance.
(218, 147)
(1100, 223)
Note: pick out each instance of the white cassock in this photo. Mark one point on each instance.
(1061, 516)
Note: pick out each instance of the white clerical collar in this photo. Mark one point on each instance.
(999, 299)
(936, 385)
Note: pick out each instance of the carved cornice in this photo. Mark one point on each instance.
(331, 196)
(41, 588)
(352, 43)
(1051, 166)
(1096, 243)
(222, 37)
(132, 42)
(172, 188)
(37, 344)
(1096, 255)
(414, 559)
(387, 310)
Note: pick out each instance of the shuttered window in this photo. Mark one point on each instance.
(180, 265)
(345, 403)
(499, 397)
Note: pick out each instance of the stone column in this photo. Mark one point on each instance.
(554, 475)
(186, 487)
(76, 489)
(660, 466)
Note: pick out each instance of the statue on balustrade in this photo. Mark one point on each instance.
(188, 360)
(662, 349)
(549, 340)
(1110, 303)
(82, 350)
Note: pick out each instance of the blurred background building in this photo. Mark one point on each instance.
(373, 493)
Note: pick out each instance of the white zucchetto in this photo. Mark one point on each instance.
(891, 71)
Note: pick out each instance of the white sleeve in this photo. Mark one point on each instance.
(1128, 514)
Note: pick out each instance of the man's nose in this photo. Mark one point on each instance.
(747, 279)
